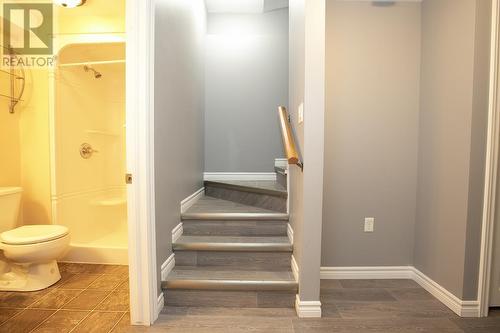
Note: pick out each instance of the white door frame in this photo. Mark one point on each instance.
(144, 306)
(491, 167)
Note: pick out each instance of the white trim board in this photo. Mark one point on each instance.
(289, 232)
(361, 273)
(143, 270)
(295, 269)
(491, 167)
(167, 266)
(191, 200)
(185, 205)
(304, 309)
(281, 163)
(460, 307)
(177, 232)
(307, 309)
(221, 176)
(160, 303)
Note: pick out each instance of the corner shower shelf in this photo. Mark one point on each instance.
(108, 202)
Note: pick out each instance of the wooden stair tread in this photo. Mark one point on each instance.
(234, 239)
(233, 243)
(268, 187)
(208, 208)
(226, 273)
(221, 278)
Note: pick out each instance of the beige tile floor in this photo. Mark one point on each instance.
(94, 298)
(88, 298)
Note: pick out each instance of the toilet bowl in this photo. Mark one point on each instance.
(28, 254)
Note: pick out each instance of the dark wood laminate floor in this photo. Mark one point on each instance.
(208, 204)
(349, 306)
(259, 184)
(94, 298)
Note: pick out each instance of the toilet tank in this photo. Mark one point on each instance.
(10, 203)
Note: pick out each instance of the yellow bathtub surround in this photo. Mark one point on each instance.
(10, 170)
(89, 112)
(10, 163)
(35, 148)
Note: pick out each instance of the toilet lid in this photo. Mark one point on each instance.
(32, 234)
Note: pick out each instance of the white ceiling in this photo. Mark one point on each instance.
(244, 6)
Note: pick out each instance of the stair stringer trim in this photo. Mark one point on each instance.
(167, 266)
(295, 269)
(191, 200)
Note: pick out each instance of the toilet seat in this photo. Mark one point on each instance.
(33, 234)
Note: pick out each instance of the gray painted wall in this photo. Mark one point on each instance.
(297, 73)
(179, 100)
(451, 147)
(246, 80)
(307, 85)
(373, 70)
(390, 109)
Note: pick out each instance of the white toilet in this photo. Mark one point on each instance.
(28, 254)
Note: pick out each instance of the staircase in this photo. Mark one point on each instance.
(234, 250)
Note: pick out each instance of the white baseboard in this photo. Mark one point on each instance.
(177, 232)
(160, 303)
(221, 176)
(191, 200)
(460, 307)
(281, 162)
(307, 309)
(295, 269)
(167, 267)
(360, 273)
(289, 232)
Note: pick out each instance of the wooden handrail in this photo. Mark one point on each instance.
(286, 132)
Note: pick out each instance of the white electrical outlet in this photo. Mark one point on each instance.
(301, 113)
(369, 224)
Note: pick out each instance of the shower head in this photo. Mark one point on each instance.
(97, 75)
